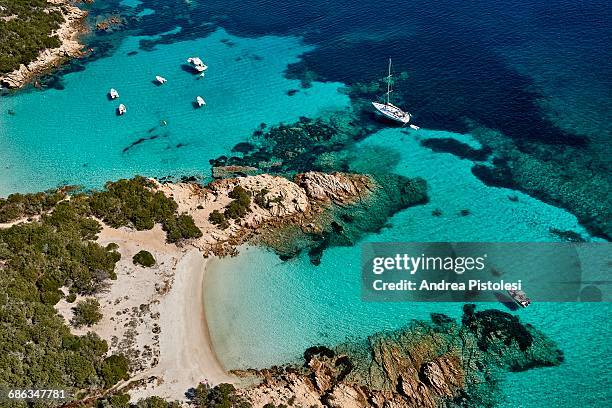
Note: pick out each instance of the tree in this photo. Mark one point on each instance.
(143, 258)
(114, 369)
(86, 313)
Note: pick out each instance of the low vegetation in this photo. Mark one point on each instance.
(86, 313)
(36, 260)
(132, 203)
(25, 30)
(218, 219)
(56, 256)
(240, 204)
(18, 206)
(220, 396)
(143, 258)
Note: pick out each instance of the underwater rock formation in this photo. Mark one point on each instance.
(441, 363)
(281, 213)
(317, 145)
(347, 221)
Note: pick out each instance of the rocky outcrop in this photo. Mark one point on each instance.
(109, 23)
(275, 202)
(336, 187)
(435, 364)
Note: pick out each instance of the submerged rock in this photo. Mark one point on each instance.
(437, 364)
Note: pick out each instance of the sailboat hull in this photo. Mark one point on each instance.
(392, 112)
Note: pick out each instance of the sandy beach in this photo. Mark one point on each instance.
(156, 316)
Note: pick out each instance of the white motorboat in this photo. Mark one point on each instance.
(200, 101)
(161, 80)
(520, 297)
(113, 94)
(391, 111)
(197, 64)
(121, 109)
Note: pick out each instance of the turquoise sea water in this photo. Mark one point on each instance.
(254, 301)
(263, 311)
(78, 127)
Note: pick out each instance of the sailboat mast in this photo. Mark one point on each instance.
(389, 82)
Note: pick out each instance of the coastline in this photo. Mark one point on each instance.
(187, 356)
(68, 33)
(156, 316)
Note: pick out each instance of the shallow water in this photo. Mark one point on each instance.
(73, 136)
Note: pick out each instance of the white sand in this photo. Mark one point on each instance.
(186, 354)
(156, 315)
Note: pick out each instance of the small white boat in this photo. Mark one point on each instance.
(197, 64)
(121, 109)
(391, 111)
(113, 94)
(161, 80)
(200, 101)
(520, 297)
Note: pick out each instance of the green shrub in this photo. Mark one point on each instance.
(115, 401)
(114, 369)
(18, 205)
(240, 204)
(86, 313)
(143, 258)
(221, 396)
(218, 219)
(132, 203)
(260, 198)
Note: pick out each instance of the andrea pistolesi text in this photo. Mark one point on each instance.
(400, 265)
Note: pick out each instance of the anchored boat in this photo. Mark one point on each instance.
(121, 109)
(391, 111)
(520, 297)
(200, 101)
(197, 64)
(161, 80)
(113, 94)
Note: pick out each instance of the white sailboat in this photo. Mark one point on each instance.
(160, 79)
(391, 111)
(113, 94)
(200, 101)
(121, 109)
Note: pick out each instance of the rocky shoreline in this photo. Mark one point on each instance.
(427, 364)
(280, 203)
(68, 33)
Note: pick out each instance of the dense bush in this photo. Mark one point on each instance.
(18, 205)
(156, 402)
(218, 219)
(58, 251)
(240, 204)
(86, 313)
(143, 258)
(221, 396)
(114, 369)
(260, 198)
(36, 260)
(114, 401)
(26, 31)
(132, 203)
